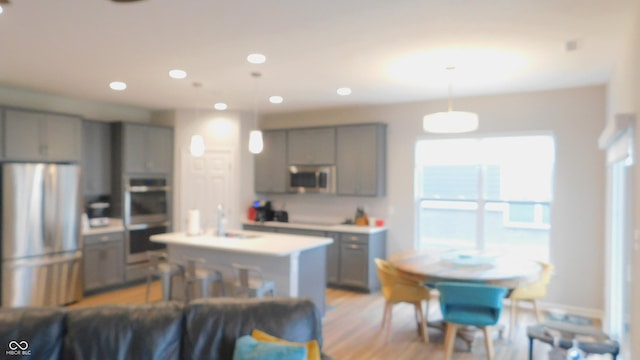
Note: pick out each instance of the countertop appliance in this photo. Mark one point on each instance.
(41, 247)
(312, 179)
(98, 213)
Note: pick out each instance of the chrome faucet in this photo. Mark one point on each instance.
(220, 231)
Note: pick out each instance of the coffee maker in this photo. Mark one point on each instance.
(264, 211)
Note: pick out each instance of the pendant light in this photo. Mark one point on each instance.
(450, 122)
(255, 136)
(196, 146)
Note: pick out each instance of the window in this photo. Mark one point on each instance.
(489, 193)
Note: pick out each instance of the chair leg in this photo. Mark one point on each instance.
(449, 339)
(148, 288)
(187, 297)
(488, 341)
(384, 315)
(205, 288)
(423, 327)
(537, 309)
(512, 318)
(426, 314)
(389, 321)
(166, 287)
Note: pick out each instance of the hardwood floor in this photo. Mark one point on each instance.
(351, 328)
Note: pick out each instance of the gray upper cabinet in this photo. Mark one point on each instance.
(36, 136)
(311, 146)
(271, 164)
(361, 163)
(2, 114)
(96, 157)
(147, 148)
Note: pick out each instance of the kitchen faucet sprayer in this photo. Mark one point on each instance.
(220, 231)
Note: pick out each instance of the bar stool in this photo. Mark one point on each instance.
(160, 268)
(196, 272)
(250, 282)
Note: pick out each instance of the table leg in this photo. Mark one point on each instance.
(530, 348)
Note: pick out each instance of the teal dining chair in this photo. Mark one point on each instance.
(469, 304)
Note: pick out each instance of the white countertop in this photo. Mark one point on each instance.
(115, 225)
(337, 228)
(255, 242)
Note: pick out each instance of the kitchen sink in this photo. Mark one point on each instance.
(235, 235)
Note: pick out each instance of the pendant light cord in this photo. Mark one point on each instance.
(450, 71)
(255, 75)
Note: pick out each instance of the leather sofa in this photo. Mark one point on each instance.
(203, 329)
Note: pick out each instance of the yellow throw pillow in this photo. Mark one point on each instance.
(313, 349)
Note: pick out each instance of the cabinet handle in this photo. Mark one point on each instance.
(354, 246)
(354, 238)
(104, 238)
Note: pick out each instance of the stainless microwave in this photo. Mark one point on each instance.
(312, 179)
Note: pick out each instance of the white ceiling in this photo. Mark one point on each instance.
(76, 47)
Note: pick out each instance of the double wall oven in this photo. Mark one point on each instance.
(146, 213)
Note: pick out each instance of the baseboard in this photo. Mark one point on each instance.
(596, 314)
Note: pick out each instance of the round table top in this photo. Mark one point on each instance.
(467, 265)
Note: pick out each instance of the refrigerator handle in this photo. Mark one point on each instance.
(43, 216)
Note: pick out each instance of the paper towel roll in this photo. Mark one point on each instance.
(193, 222)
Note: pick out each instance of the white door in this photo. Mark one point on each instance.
(205, 183)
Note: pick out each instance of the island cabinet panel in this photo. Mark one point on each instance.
(37, 136)
(270, 175)
(294, 263)
(360, 165)
(96, 157)
(103, 260)
(349, 259)
(146, 148)
(311, 146)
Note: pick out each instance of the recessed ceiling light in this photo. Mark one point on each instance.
(276, 99)
(220, 106)
(344, 91)
(117, 85)
(256, 58)
(177, 74)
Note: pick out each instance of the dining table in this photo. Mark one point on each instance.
(466, 265)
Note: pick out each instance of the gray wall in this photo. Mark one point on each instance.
(575, 116)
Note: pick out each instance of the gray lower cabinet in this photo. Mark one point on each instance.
(103, 257)
(270, 175)
(349, 259)
(333, 259)
(39, 136)
(357, 251)
(353, 265)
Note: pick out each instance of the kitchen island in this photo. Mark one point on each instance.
(297, 264)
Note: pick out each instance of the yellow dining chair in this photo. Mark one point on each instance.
(530, 292)
(397, 288)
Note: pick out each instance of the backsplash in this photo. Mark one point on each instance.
(326, 209)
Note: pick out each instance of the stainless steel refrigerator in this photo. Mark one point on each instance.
(41, 242)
